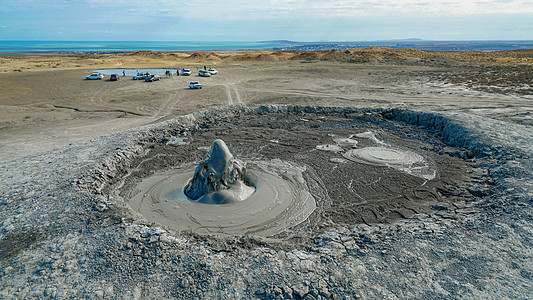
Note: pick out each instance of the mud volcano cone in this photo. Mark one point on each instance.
(219, 179)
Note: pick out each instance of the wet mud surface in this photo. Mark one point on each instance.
(280, 200)
(346, 192)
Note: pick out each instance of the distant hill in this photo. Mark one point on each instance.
(409, 40)
(286, 42)
(414, 43)
(380, 55)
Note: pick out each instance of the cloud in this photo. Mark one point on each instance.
(279, 9)
(410, 7)
(268, 19)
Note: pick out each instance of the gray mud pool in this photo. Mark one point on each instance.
(376, 175)
(275, 202)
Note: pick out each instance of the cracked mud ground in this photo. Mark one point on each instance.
(76, 239)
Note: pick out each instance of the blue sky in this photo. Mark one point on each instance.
(248, 20)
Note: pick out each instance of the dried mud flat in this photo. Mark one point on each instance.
(67, 234)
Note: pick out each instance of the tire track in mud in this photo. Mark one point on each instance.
(58, 90)
(55, 90)
(320, 98)
(98, 98)
(237, 94)
(168, 106)
(101, 99)
(230, 91)
(301, 93)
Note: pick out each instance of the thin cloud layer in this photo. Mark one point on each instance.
(241, 9)
(257, 20)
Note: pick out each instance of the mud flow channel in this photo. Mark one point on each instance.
(305, 174)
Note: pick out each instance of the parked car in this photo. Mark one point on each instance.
(212, 71)
(152, 77)
(186, 72)
(141, 76)
(195, 85)
(94, 76)
(113, 77)
(204, 73)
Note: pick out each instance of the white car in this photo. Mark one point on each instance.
(186, 72)
(212, 71)
(94, 76)
(152, 77)
(195, 85)
(204, 73)
(141, 76)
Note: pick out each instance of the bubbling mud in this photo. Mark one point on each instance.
(403, 160)
(223, 197)
(382, 154)
(390, 156)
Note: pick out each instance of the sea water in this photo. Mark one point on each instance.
(131, 72)
(118, 46)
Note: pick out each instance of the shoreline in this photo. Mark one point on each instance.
(60, 53)
(46, 48)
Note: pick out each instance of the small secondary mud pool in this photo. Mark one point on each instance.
(305, 174)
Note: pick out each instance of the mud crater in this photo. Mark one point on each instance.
(346, 191)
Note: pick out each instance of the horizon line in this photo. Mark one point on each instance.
(283, 40)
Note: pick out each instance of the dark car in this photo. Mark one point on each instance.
(113, 77)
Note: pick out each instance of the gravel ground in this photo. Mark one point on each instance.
(64, 233)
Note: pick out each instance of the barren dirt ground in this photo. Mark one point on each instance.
(72, 153)
(43, 109)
